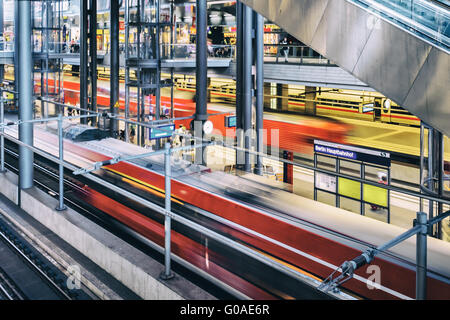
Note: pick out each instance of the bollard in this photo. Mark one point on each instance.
(2, 138)
(167, 274)
(421, 257)
(61, 205)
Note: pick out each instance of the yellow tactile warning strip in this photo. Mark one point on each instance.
(402, 139)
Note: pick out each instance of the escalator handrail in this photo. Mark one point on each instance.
(437, 37)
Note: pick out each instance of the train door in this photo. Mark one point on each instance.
(367, 109)
(386, 110)
(377, 108)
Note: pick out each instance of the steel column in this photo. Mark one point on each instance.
(201, 77)
(259, 110)
(93, 56)
(440, 178)
(247, 83)
(172, 38)
(127, 74)
(83, 59)
(2, 138)
(421, 256)
(25, 96)
(16, 47)
(167, 274)
(239, 81)
(61, 205)
(114, 67)
(2, 47)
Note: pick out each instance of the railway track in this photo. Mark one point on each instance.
(46, 179)
(25, 274)
(254, 272)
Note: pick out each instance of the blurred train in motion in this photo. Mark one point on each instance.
(353, 104)
(296, 136)
(310, 237)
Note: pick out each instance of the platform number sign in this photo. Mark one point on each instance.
(165, 131)
(230, 121)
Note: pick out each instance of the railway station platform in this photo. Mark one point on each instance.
(92, 257)
(224, 150)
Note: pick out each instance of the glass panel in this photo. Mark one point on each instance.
(429, 19)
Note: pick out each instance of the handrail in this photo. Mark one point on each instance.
(424, 18)
(170, 215)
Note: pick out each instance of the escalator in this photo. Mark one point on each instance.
(398, 47)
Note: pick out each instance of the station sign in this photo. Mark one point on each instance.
(230, 121)
(165, 131)
(353, 153)
(325, 181)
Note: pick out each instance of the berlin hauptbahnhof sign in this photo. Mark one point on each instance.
(353, 153)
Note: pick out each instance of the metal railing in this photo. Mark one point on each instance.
(167, 210)
(424, 18)
(348, 268)
(187, 51)
(280, 53)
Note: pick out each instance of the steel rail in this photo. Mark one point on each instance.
(34, 266)
(214, 235)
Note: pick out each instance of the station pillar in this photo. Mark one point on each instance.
(114, 67)
(259, 84)
(310, 103)
(201, 85)
(25, 81)
(288, 169)
(208, 90)
(247, 83)
(2, 43)
(282, 97)
(267, 94)
(431, 173)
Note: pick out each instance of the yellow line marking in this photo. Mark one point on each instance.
(383, 135)
(161, 191)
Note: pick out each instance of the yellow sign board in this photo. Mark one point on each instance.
(375, 195)
(349, 188)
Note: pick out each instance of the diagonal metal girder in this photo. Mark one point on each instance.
(399, 64)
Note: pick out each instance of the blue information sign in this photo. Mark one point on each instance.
(354, 153)
(165, 131)
(230, 121)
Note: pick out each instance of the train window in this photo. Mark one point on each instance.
(368, 107)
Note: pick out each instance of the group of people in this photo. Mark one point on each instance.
(177, 141)
(132, 133)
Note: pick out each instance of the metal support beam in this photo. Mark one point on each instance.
(93, 56)
(158, 69)
(310, 103)
(421, 256)
(201, 77)
(61, 205)
(83, 58)
(2, 138)
(16, 46)
(2, 44)
(247, 83)
(114, 67)
(25, 95)
(239, 84)
(167, 274)
(259, 84)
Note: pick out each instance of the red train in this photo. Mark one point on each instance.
(293, 136)
(311, 236)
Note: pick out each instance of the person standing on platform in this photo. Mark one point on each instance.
(284, 50)
(382, 179)
(132, 133)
